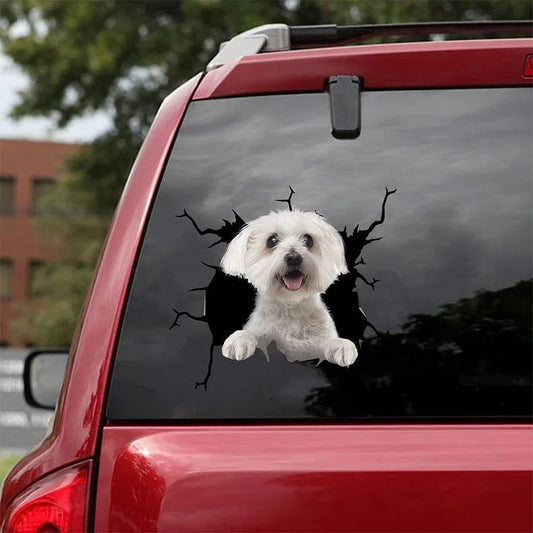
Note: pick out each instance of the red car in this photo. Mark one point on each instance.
(419, 155)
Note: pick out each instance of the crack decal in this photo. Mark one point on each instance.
(292, 263)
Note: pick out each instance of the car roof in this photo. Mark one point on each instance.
(415, 65)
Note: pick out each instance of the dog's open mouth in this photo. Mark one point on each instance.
(293, 279)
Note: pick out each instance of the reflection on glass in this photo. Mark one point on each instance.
(470, 358)
(46, 374)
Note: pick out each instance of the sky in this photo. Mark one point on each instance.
(13, 80)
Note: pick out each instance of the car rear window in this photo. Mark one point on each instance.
(433, 202)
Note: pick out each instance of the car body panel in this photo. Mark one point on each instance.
(316, 478)
(79, 413)
(392, 66)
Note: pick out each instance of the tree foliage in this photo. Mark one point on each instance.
(123, 57)
(472, 354)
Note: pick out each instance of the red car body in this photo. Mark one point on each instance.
(314, 477)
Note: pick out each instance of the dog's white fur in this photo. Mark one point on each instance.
(296, 319)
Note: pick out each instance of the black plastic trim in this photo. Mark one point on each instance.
(345, 106)
(331, 33)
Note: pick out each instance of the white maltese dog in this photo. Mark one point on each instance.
(290, 257)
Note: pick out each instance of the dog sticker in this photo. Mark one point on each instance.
(290, 258)
(291, 278)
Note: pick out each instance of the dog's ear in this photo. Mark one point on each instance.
(338, 252)
(333, 247)
(233, 261)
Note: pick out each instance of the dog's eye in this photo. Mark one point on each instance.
(308, 240)
(272, 241)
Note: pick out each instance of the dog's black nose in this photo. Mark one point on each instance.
(293, 259)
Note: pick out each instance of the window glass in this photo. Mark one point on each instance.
(36, 286)
(40, 189)
(433, 205)
(7, 195)
(6, 278)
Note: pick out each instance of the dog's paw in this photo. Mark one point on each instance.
(239, 345)
(342, 352)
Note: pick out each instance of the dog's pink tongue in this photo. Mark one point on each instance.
(293, 284)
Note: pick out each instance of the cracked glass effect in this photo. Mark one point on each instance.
(341, 297)
(446, 292)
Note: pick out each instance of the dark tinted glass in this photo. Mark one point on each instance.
(446, 289)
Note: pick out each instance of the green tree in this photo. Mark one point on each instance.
(124, 57)
(475, 351)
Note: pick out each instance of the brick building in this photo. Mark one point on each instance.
(28, 169)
